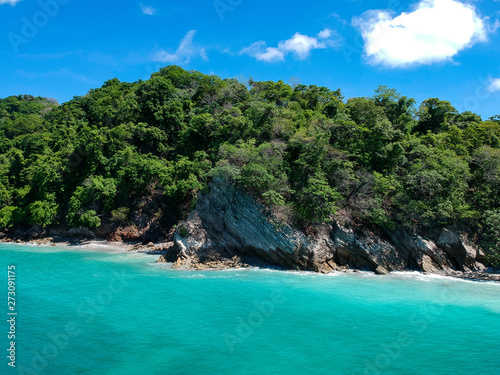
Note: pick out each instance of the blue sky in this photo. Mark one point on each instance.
(448, 49)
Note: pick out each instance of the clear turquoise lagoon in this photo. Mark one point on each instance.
(82, 311)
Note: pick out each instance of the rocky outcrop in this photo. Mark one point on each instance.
(229, 226)
(145, 226)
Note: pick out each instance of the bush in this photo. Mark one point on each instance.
(317, 200)
(120, 215)
(90, 220)
(183, 232)
(229, 172)
(491, 222)
(272, 198)
(43, 213)
(7, 216)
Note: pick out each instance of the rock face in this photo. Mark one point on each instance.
(227, 223)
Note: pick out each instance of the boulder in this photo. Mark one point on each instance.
(459, 249)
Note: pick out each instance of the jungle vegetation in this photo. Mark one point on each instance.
(381, 161)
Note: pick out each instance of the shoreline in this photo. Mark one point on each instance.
(150, 248)
(162, 248)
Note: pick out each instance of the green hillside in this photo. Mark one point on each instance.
(305, 151)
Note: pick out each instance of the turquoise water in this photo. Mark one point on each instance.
(108, 312)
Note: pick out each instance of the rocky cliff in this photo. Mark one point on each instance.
(228, 226)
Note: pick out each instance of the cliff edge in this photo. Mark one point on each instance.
(228, 226)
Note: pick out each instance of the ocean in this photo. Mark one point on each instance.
(98, 310)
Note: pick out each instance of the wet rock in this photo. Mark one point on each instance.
(381, 271)
(169, 256)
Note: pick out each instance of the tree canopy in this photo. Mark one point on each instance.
(377, 160)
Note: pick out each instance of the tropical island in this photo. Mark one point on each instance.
(232, 172)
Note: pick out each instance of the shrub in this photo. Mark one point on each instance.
(317, 200)
(89, 219)
(7, 216)
(44, 212)
(120, 215)
(183, 232)
(272, 198)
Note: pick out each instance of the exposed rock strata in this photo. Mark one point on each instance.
(228, 225)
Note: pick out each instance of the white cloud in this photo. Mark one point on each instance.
(272, 54)
(184, 52)
(203, 54)
(494, 85)
(492, 28)
(261, 52)
(436, 30)
(299, 45)
(325, 34)
(147, 10)
(11, 2)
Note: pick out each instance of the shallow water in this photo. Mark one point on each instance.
(82, 311)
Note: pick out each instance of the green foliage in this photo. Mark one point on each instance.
(120, 215)
(317, 200)
(228, 172)
(272, 198)
(90, 220)
(379, 208)
(95, 193)
(7, 216)
(43, 212)
(151, 146)
(435, 186)
(183, 232)
(399, 110)
(255, 177)
(491, 222)
(486, 178)
(435, 115)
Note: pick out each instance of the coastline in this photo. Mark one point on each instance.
(164, 248)
(150, 248)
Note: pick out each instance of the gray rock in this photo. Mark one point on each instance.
(459, 249)
(228, 222)
(381, 271)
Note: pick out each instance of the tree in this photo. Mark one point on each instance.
(399, 110)
(7, 216)
(491, 224)
(153, 97)
(317, 201)
(43, 212)
(150, 147)
(435, 115)
(435, 186)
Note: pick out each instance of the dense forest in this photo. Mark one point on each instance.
(305, 151)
